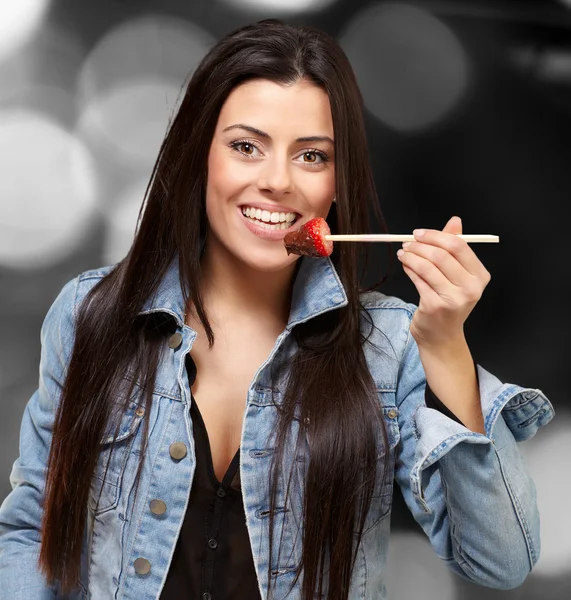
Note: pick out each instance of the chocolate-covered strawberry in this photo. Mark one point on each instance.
(309, 239)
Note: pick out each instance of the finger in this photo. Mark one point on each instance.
(426, 293)
(454, 225)
(444, 261)
(454, 245)
(429, 273)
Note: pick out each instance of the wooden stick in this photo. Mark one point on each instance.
(403, 237)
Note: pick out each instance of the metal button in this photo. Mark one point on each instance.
(221, 492)
(142, 566)
(175, 340)
(212, 543)
(140, 411)
(393, 412)
(177, 450)
(207, 596)
(158, 507)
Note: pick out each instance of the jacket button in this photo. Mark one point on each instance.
(212, 543)
(221, 492)
(177, 450)
(158, 507)
(175, 340)
(207, 596)
(140, 411)
(142, 566)
(393, 412)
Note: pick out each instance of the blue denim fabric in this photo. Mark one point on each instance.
(470, 492)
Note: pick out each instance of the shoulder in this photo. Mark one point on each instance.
(92, 276)
(386, 327)
(58, 328)
(63, 310)
(383, 307)
(86, 280)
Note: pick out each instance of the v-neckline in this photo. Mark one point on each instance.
(234, 463)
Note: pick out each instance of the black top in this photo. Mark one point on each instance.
(213, 558)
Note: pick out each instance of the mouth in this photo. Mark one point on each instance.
(268, 231)
(285, 225)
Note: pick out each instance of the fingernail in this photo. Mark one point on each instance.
(400, 252)
(406, 244)
(419, 232)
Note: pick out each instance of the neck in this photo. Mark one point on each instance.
(234, 291)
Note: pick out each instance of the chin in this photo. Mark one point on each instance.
(268, 262)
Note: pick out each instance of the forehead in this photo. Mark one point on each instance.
(297, 109)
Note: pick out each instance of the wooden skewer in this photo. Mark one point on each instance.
(399, 237)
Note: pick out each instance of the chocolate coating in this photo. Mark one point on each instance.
(300, 242)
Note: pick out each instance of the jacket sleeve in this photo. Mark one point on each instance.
(471, 492)
(21, 511)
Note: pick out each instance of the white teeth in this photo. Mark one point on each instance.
(269, 217)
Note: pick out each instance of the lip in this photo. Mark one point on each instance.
(266, 234)
(271, 208)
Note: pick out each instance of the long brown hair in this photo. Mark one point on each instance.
(328, 375)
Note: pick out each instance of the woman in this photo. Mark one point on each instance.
(220, 419)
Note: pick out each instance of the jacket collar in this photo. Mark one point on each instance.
(317, 289)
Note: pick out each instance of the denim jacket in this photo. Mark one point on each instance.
(470, 492)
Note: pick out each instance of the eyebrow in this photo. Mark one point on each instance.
(263, 134)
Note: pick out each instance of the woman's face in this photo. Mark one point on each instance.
(272, 153)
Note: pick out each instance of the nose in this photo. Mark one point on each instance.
(275, 176)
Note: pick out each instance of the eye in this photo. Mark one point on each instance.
(244, 147)
(314, 157)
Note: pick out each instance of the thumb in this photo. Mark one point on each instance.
(454, 225)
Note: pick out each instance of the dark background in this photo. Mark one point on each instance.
(468, 114)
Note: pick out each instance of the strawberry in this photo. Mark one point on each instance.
(309, 239)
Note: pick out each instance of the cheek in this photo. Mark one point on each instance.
(320, 192)
(225, 177)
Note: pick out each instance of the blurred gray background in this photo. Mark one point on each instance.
(468, 113)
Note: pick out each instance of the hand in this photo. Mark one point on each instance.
(450, 280)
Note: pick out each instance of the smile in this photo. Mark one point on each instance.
(272, 220)
(267, 230)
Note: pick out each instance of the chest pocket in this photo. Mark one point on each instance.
(112, 463)
(381, 501)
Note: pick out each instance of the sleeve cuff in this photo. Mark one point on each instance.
(523, 410)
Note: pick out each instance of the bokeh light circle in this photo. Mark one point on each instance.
(121, 220)
(47, 192)
(280, 6)
(131, 83)
(411, 68)
(129, 121)
(19, 20)
(152, 46)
